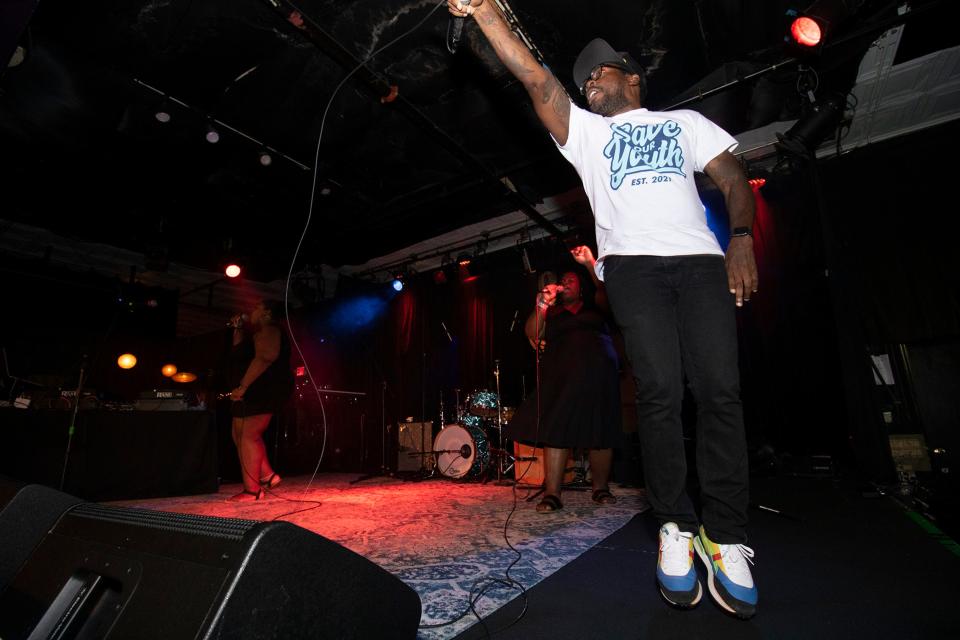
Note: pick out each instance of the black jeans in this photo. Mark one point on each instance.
(678, 318)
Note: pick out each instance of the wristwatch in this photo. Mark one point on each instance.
(741, 231)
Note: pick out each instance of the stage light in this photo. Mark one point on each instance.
(811, 28)
(127, 361)
(397, 284)
(806, 31)
(184, 376)
(756, 183)
(439, 277)
(232, 270)
(168, 370)
(213, 136)
(806, 134)
(163, 112)
(265, 158)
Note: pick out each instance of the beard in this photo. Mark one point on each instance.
(612, 102)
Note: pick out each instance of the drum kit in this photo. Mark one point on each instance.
(472, 447)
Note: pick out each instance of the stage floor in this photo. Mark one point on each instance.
(836, 565)
(442, 537)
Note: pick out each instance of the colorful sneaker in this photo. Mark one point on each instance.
(730, 581)
(676, 575)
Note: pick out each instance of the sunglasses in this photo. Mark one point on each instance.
(597, 73)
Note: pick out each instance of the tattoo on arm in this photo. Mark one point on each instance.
(554, 94)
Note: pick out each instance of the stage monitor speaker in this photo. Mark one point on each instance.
(27, 512)
(528, 466)
(109, 572)
(415, 443)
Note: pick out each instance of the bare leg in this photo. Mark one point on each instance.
(554, 462)
(251, 449)
(600, 462)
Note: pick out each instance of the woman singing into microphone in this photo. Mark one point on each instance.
(579, 389)
(260, 373)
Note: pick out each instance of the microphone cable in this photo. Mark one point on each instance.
(307, 223)
(492, 582)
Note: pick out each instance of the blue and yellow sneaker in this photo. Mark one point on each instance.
(730, 581)
(676, 574)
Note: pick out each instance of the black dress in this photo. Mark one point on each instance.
(579, 386)
(269, 392)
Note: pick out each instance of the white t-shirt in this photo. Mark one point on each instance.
(637, 170)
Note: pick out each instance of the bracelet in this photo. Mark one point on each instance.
(543, 305)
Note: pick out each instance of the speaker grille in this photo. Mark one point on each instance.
(225, 528)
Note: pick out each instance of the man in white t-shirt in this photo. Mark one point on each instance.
(672, 290)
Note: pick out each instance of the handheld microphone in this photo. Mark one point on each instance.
(549, 277)
(454, 31)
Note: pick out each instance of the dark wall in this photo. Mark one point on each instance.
(54, 320)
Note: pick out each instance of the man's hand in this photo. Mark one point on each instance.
(741, 268)
(461, 10)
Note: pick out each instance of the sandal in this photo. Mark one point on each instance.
(271, 482)
(245, 496)
(549, 504)
(603, 496)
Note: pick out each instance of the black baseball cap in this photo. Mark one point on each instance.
(598, 51)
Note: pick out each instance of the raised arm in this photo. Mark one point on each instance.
(726, 172)
(550, 101)
(583, 255)
(536, 324)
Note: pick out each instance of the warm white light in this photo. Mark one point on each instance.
(168, 370)
(127, 361)
(266, 159)
(232, 270)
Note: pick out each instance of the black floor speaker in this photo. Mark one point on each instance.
(109, 572)
(27, 512)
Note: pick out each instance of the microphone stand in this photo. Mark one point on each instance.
(501, 453)
(384, 470)
(73, 421)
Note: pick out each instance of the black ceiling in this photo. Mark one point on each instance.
(84, 155)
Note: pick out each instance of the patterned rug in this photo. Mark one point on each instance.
(442, 537)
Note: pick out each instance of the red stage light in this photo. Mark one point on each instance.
(806, 31)
(756, 183)
(301, 371)
(232, 270)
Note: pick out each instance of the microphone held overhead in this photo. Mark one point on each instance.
(455, 30)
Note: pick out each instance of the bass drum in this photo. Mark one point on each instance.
(462, 451)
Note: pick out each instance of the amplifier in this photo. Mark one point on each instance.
(161, 400)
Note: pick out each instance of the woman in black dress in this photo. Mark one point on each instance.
(579, 394)
(260, 362)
